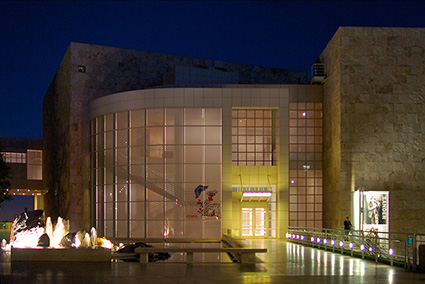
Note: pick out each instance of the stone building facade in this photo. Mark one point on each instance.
(373, 122)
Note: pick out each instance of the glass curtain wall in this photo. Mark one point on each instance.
(156, 173)
(305, 165)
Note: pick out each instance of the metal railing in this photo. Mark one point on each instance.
(393, 248)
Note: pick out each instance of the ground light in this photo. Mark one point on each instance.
(319, 240)
(351, 245)
(391, 252)
(362, 247)
(302, 237)
(332, 242)
(325, 241)
(341, 244)
(312, 239)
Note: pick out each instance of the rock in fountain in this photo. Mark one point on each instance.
(31, 240)
(26, 229)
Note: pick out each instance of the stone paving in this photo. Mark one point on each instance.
(284, 263)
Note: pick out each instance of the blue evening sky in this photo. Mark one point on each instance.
(286, 34)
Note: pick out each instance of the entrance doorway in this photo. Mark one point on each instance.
(254, 222)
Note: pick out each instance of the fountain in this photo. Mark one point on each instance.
(33, 240)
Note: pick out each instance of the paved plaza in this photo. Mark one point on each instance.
(284, 263)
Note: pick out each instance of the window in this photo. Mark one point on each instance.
(34, 164)
(305, 162)
(14, 158)
(253, 141)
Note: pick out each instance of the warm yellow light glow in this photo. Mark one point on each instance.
(105, 243)
(256, 194)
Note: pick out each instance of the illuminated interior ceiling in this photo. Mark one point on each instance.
(263, 196)
(26, 191)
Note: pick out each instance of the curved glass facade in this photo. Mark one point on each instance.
(157, 173)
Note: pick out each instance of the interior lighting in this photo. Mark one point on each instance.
(341, 244)
(391, 252)
(332, 242)
(257, 194)
(362, 247)
(351, 245)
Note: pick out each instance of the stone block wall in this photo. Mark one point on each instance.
(377, 76)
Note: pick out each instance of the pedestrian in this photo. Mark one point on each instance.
(347, 226)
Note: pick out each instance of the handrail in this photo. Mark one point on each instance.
(389, 247)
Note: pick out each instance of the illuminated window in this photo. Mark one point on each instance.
(305, 163)
(34, 164)
(14, 158)
(253, 141)
(146, 165)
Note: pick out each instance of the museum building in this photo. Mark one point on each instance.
(147, 145)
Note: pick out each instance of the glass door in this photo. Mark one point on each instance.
(254, 222)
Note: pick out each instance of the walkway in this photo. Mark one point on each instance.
(284, 263)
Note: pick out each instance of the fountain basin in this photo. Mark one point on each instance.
(97, 254)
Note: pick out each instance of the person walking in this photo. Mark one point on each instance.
(347, 227)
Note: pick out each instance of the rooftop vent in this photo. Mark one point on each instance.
(318, 73)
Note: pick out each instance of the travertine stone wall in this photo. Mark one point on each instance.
(377, 75)
(111, 70)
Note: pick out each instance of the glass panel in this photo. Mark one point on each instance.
(260, 222)
(137, 118)
(137, 229)
(137, 155)
(174, 135)
(212, 173)
(34, 164)
(195, 135)
(174, 154)
(137, 193)
(194, 116)
(247, 222)
(154, 154)
(155, 172)
(213, 135)
(154, 117)
(194, 173)
(213, 154)
(194, 154)
(174, 173)
(155, 229)
(155, 210)
(109, 122)
(137, 136)
(155, 136)
(122, 120)
(174, 116)
(212, 116)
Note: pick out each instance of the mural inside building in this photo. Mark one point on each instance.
(207, 207)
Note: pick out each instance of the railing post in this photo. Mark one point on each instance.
(414, 253)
